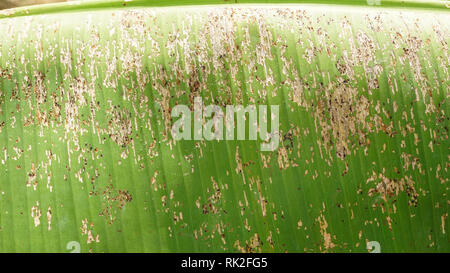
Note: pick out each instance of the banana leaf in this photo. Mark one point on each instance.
(88, 161)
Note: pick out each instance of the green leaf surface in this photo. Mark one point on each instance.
(86, 94)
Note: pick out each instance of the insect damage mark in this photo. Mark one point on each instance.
(112, 202)
(341, 115)
(327, 238)
(390, 188)
(87, 229)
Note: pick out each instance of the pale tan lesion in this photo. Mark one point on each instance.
(327, 237)
(340, 114)
(390, 188)
(87, 228)
(120, 127)
(113, 200)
